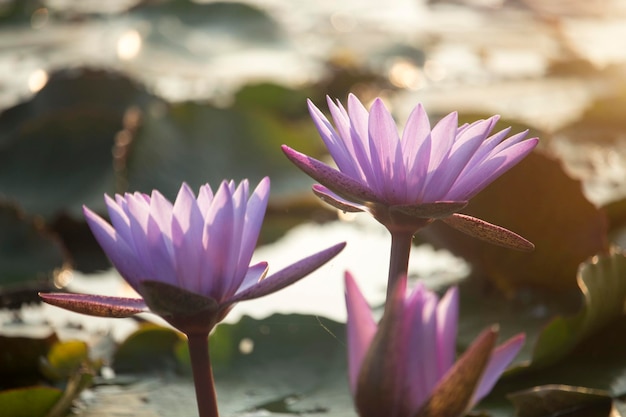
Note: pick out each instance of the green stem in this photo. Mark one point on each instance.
(202, 374)
(399, 259)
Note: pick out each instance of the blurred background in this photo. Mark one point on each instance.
(108, 97)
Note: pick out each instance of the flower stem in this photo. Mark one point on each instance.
(202, 374)
(399, 260)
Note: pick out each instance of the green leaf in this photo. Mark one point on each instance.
(64, 359)
(150, 347)
(28, 402)
(601, 281)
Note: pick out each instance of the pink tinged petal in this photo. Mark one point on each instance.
(217, 241)
(488, 146)
(119, 218)
(386, 154)
(461, 152)
(494, 166)
(416, 144)
(254, 274)
(447, 327)
(452, 396)
(442, 139)
(335, 143)
(336, 201)
(233, 274)
(187, 226)
(159, 236)
(361, 329)
(255, 212)
(286, 276)
(415, 388)
(381, 380)
(96, 305)
(359, 117)
(205, 197)
(500, 359)
(355, 146)
(488, 232)
(138, 214)
(334, 180)
(430, 371)
(122, 256)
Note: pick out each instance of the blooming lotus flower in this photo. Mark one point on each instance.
(405, 366)
(408, 183)
(190, 261)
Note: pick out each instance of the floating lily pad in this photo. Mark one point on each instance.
(19, 359)
(30, 255)
(561, 400)
(64, 359)
(150, 347)
(56, 152)
(601, 281)
(28, 402)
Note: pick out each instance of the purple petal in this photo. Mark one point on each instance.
(96, 305)
(336, 201)
(187, 225)
(286, 276)
(461, 152)
(361, 329)
(447, 326)
(415, 390)
(119, 219)
(386, 154)
(217, 241)
(442, 139)
(254, 274)
(416, 144)
(335, 143)
(355, 145)
(159, 238)
(500, 359)
(117, 250)
(255, 212)
(138, 214)
(490, 169)
(331, 178)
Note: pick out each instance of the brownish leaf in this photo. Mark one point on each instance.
(537, 200)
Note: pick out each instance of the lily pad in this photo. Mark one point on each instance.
(30, 256)
(64, 359)
(19, 361)
(561, 400)
(56, 148)
(28, 402)
(148, 348)
(601, 281)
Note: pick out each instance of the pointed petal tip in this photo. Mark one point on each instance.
(96, 305)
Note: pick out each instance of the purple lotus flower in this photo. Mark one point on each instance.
(405, 366)
(190, 261)
(408, 183)
(429, 173)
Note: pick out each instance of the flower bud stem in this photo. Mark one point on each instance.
(202, 374)
(399, 259)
